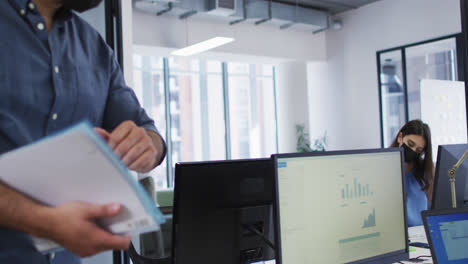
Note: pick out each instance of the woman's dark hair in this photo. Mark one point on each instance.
(423, 167)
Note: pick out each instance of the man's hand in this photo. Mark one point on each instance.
(133, 145)
(73, 225)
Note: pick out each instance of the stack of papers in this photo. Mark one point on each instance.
(77, 165)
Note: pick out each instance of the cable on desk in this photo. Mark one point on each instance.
(416, 259)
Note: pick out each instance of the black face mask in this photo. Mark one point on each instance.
(410, 155)
(80, 5)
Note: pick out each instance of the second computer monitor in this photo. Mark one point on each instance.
(223, 212)
(341, 207)
(447, 157)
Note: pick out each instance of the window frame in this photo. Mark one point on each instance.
(166, 72)
(460, 69)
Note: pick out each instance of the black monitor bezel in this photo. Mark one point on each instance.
(440, 174)
(437, 212)
(390, 257)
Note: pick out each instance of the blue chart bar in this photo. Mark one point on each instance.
(355, 190)
(355, 187)
(370, 221)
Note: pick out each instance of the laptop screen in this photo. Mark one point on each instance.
(341, 207)
(448, 236)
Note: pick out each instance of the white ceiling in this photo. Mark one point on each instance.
(332, 6)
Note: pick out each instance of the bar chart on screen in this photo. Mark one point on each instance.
(354, 191)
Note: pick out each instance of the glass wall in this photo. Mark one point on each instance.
(197, 110)
(434, 61)
(252, 110)
(393, 96)
(148, 81)
(401, 72)
(194, 107)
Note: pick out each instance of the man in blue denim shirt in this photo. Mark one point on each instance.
(55, 70)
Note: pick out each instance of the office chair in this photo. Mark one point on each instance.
(152, 250)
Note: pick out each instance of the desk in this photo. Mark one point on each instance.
(415, 234)
(418, 234)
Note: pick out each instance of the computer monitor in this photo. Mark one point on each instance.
(223, 212)
(447, 157)
(341, 207)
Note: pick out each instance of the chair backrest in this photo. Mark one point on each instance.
(138, 259)
(165, 197)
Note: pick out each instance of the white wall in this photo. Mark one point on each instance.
(346, 85)
(291, 98)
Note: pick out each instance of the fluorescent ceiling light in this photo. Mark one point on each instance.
(202, 46)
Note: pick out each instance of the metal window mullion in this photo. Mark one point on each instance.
(379, 75)
(204, 110)
(276, 109)
(113, 21)
(227, 119)
(405, 83)
(167, 104)
(460, 58)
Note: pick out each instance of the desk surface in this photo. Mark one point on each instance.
(418, 234)
(415, 234)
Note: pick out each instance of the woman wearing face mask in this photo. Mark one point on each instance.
(415, 138)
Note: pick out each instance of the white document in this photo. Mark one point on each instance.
(77, 165)
(443, 108)
(417, 234)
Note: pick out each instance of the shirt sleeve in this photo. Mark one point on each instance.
(122, 104)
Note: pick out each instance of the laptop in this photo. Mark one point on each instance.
(447, 234)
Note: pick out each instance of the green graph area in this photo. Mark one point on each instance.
(356, 190)
(357, 238)
(370, 221)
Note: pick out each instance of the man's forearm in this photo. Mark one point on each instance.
(21, 213)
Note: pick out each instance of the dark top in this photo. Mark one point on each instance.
(49, 81)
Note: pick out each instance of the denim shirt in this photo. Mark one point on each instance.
(52, 80)
(416, 200)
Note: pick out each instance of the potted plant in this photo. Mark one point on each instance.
(303, 140)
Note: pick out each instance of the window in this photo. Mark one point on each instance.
(149, 88)
(402, 73)
(196, 104)
(252, 110)
(207, 109)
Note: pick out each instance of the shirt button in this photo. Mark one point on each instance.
(54, 116)
(40, 26)
(52, 255)
(22, 12)
(56, 69)
(31, 6)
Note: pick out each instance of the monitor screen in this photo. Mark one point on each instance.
(447, 233)
(447, 157)
(341, 207)
(223, 212)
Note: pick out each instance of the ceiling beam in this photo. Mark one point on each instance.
(322, 5)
